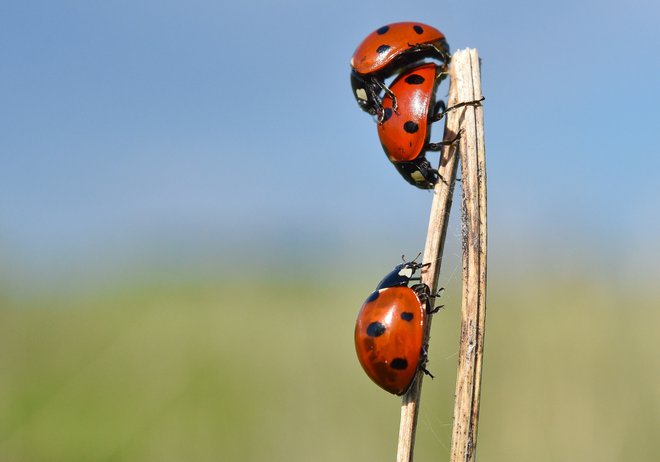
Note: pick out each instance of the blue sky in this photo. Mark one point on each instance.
(132, 126)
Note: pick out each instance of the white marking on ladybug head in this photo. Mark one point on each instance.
(353, 62)
(406, 272)
(361, 93)
(417, 176)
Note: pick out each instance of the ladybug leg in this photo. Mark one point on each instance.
(424, 293)
(439, 292)
(435, 309)
(439, 145)
(438, 111)
(378, 103)
(387, 91)
(423, 360)
(442, 54)
(442, 74)
(474, 102)
(439, 115)
(426, 371)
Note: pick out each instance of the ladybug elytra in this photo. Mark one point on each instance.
(387, 50)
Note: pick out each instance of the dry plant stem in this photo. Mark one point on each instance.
(473, 310)
(435, 239)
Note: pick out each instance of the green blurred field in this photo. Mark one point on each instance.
(266, 371)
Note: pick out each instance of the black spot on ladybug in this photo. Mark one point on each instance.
(375, 329)
(410, 127)
(399, 364)
(414, 79)
(382, 30)
(373, 297)
(382, 48)
(418, 29)
(387, 114)
(406, 316)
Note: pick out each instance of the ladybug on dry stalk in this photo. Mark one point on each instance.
(404, 135)
(407, 107)
(386, 51)
(389, 332)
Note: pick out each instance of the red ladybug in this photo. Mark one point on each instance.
(389, 332)
(404, 134)
(385, 51)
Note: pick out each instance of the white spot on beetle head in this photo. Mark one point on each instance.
(406, 272)
(417, 176)
(361, 93)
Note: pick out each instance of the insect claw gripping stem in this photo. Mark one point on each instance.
(442, 178)
(435, 309)
(425, 296)
(432, 296)
(440, 114)
(438, 292)
(438, 146)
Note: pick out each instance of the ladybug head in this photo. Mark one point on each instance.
(401, 275)
(363, 94)
(418, 172)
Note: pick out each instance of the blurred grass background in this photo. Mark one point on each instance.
(264, 369)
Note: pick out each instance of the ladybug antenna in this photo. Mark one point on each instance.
(413, 261)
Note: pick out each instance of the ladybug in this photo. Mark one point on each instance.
(389, 332)
(384, 52)
(404, 135)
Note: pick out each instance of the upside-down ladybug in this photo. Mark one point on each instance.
(387, 50)
(389, 332)
(404, 135)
